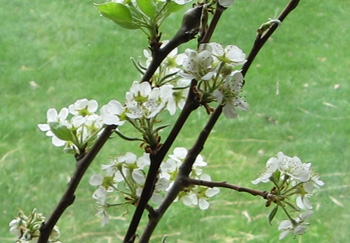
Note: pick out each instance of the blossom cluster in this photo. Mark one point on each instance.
(213, 66)
(26, 228)
(77, 126)
(124, 178)
(291, 177)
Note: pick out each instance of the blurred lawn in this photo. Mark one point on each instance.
(69, 52)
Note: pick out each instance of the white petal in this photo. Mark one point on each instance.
(283, 234)
(128, 158)
(156, 198)
(230, 111)
(44, 127)
(300, 202)
(143, 161)
(300, 229)
(92, 106)
(96, 180)
(180, 153)
(212, 191)
(203, 204)
(304, 216)
(285, 224)
(234, 54)
(138, 177)
(57, 142)
(51, 115)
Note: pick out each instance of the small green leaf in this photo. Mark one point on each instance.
(118, 13)
(61, 131)
(272, 214)
(149, 7)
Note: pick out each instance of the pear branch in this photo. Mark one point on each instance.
(68, 197)
(262, 38)
(263, 194)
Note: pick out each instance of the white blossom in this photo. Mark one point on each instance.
(228, 94)
(294, 167)
(83, 107)
(271, 167)
(230, 54)
(303, 202)
(53, 116)
(111, 113)
(143, 101)
(198, 64)
(298, 227)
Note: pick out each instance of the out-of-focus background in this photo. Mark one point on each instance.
(55, 52)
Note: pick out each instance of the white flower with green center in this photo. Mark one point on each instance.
(294, 167)
(83, 107)
(54, 117)
(228, 95)
(298, 226)
(112, 113)
(143, 101)
(198, 65)
(230, 54)
(271, 167)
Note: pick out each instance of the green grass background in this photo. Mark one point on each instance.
(70, 53)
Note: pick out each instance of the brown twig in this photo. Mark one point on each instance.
(184, 171)
(68, 197)
(186, 167)
(261, 39)
(263, 194)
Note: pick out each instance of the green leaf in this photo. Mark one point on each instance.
(149, 7)
(61, 131)
(118, 13)
(272, 214)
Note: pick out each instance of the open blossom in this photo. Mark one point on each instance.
(198, 64)
(271, 167)
(298, 226)
(143, 101)
(291, 167)
(199, 195)
(76, 128)
(230, 54)
(53, 116)
(112, 112)
(83, 107)
(294, 167)
(228, 94)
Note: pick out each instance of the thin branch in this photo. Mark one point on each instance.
(68, 197)
(156, 159)
(261, 40)
(184, 171)
(188, 30)
(186, 167)
(263, 194)
(209, 33)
